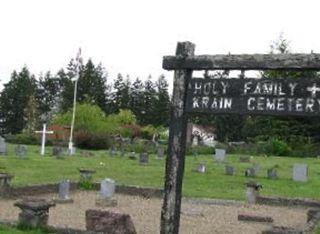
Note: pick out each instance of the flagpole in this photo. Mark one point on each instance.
(77, 75)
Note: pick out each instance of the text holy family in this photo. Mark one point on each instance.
(293, 96)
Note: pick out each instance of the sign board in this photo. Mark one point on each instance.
(297, 97)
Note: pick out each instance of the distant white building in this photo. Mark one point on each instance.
(200, 135)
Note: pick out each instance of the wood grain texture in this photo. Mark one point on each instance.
(170, 214)
(244, 62)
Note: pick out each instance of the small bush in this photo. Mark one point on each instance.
(24, 138)
(86, 140)
(200, 150)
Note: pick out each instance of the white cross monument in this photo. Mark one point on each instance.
(44, 132)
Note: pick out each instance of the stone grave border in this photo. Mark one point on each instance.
(32, 190)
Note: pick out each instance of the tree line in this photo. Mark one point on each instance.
(26, 101)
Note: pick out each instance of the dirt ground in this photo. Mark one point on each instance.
(145, 213)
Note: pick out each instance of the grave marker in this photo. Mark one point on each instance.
(43, 139)
(160, 153)
(201, 168)
(64, 188)
(57, 151)
(107, 189)
(3, 146)
(144, 158)
(220, 155)
(34, 212)
(300, 172)
(229, 170)
(21, 151)
(272, 173)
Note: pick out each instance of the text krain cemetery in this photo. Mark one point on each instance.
(254, 96)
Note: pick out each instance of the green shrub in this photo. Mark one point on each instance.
(200, 150)
(86, 185)
(88, 140)
(24, 138)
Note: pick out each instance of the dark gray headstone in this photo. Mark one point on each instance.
(144, 158)
(256, 167)
(64, 188)
(160, 153)
(250, 172)
(272, 173)
(21, 151)
(113, 151)
(229, 170)
(3, 146)
(57, 151)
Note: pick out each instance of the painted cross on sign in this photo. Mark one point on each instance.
(255, 96)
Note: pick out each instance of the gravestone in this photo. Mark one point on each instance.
(64, 188)
(201, 168)
(122, 151)
(160, 153)
(229, 170)
(72, 150)
(300, 172)
(272, 173)
(57, 151)
(220, 155)
(34, 212)
(252, 191)
(5, 180)
(256, 167)
(144, 158)
(107, 189)
(195, 141)
(3, 146)
(21, 151)
(113, 151)
(104, 221)
(250, 172)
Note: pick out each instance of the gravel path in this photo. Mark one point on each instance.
(195, 218)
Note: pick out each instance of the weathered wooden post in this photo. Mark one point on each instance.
(170, 214)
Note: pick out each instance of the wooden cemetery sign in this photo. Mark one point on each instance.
(295, 97)
(254, 96)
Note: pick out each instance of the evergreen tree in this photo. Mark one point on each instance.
(136, 99)
(14, 100)
(67, 91)
(121, 93)
(149, 100)
(91, 84)
(162, 102)
(49, 89)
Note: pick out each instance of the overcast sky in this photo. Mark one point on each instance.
(132, 36)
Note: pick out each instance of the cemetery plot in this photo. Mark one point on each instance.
(196, 217)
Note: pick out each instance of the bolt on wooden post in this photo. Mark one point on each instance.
(170, 214)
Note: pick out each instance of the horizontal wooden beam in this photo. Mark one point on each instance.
(244, 62)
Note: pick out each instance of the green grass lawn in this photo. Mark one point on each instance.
(213, 184)
(10, 230)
